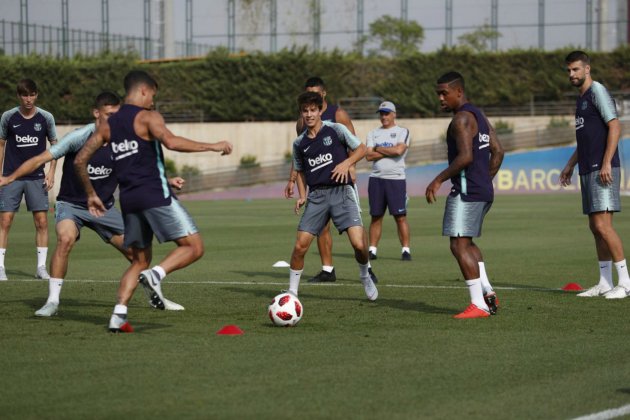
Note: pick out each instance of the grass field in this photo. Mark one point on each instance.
(546, 354)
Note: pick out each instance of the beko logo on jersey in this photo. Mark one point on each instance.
(579, 122)
(320, 161)
(126, 147)
(26, 141)
(98, 172)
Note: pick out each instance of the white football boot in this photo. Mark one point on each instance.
(597, 290)
(172, 306)
(370, 288)
(152, 288)
(49, 309)
(42, 273)
(618, 292)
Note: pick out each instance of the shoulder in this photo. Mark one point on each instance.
(8, 114)
(47, 115)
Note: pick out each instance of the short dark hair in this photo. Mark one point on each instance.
(26, 86)
(106, 98)
(452, 77)
(314, 82)
(310, 98)
(577, 56)
(138, 77)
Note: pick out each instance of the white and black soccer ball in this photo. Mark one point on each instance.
(285, 310)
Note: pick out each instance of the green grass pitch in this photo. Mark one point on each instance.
(546, 354)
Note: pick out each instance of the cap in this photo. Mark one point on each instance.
(386, 107)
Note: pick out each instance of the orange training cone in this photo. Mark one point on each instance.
(572, 287)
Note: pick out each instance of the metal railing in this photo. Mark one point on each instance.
(417, 154)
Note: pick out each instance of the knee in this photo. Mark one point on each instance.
(599, 227)
(198, 250)
(65, 243)
(41, 224)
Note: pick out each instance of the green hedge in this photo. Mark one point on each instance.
(259, 87)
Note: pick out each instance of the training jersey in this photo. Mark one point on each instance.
(389, 167)
(330, 114)
(473, 183)
(138, 164)
(25, 138)
(595, 108)
(317, 157)
(100, 169)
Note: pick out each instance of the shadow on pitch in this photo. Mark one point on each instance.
(281, 274)
(399, 304)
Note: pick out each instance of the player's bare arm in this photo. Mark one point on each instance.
(464, 127)
(496, 152)
(96, 141)
(27, 167)
(150, 124)
(3, 143)
(379, 152)
(342, 117)
(301, 183)
(567, 172)
(49, 180)
(614, 131)
(341, 172)
(177, 182)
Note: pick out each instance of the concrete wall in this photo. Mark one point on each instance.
(270, 141)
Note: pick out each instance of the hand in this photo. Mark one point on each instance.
(432, 189)
(605, 174)
(49, 181)
(298, 204)
(565, 176)
(288, 190)
(341, 172)
(225, 147)
(4, 181)
(177, 182)
(95, 206)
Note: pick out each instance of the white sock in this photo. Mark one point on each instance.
(328, 268)
(294, 280)
(405, 249)
(486, 287)
(160, 272)
(3, 251)
(372, 250)
(42, 252)
(605, 274)
(54, 289)
(363, 270)
(476, 295)
(622, 274)
(120, 310)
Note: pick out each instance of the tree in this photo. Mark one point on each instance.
(479, 40)
(396, 37)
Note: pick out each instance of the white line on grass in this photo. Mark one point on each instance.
(262, 283)
(607, 414)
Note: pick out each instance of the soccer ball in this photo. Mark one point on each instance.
(285, 310)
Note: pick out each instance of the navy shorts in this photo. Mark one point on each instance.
(106, 226)
(33, 190)
(167, 223)
(387, 193)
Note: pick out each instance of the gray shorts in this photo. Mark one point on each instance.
(339, 203)
(167, 223)
(34, 193)
(598, 197)
(106, 226)
(464, 218)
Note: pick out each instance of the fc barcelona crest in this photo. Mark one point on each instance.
(327, 141)
(37, 127)
(584, 105)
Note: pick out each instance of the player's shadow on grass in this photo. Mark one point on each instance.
(400, 304)
(280, 274)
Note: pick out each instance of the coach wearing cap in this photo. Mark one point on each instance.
(386, 148)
